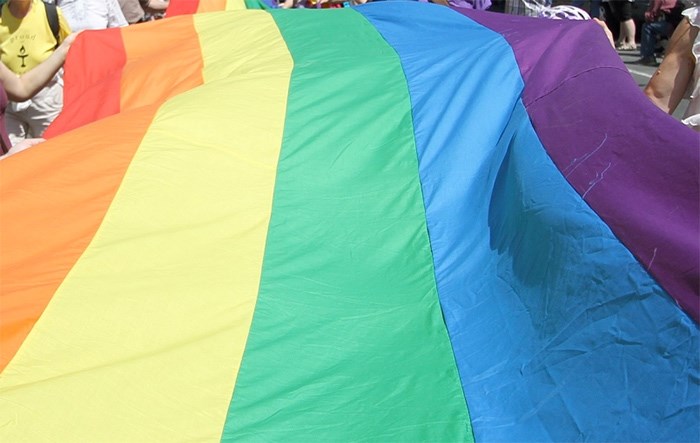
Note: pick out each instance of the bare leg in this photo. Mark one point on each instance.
(627, 31)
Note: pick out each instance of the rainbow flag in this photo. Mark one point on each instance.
(187, 7)
(391, 223)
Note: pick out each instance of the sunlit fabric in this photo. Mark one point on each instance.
(398, 222)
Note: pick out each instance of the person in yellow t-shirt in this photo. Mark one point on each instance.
(26, 40)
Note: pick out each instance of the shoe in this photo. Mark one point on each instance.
(626, 46)
(648, 60)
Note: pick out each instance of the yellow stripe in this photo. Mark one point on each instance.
(143, 340)
(232, 5)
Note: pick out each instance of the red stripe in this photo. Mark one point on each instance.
(92, 79)
(182, 7)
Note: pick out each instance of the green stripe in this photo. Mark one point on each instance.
(255, 4)
(347, 342)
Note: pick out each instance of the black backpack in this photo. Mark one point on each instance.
(51, 17)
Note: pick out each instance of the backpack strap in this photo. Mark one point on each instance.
(52, 18)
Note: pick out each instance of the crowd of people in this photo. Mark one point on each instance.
(35, 37)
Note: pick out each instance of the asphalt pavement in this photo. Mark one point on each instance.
(642, 74)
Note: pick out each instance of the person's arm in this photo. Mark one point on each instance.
(652, 11)
(669, 83)
(26, 86)
(606, 30)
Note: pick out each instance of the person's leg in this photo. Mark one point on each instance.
(14, 122)
(651, 31)
(611, 21)
(648, 42)
(627, 27)
(627, 32)
(595, 9)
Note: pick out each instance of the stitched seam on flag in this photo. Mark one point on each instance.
(582, 195)
(567, 80)
(470, 429)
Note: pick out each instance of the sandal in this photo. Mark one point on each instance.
(626, 46)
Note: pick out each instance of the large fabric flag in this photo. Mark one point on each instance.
(186, 7)
(392, 223)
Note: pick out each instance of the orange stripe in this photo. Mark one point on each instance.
(152, 74)
(58, 226)
(61, 204)
(211, 6)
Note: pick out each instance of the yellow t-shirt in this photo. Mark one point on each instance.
(26, 42)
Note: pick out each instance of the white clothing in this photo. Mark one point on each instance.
(92, 14)
(692, 114)
(525, 7)
(29, 119)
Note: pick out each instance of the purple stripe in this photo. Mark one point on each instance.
(636, 166)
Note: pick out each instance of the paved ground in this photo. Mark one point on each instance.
(642, 74)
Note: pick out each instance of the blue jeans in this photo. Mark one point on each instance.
(650, 31)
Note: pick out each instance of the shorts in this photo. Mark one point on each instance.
(621, 10)
(29, 119)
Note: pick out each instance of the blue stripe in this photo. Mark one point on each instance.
(558, 333)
